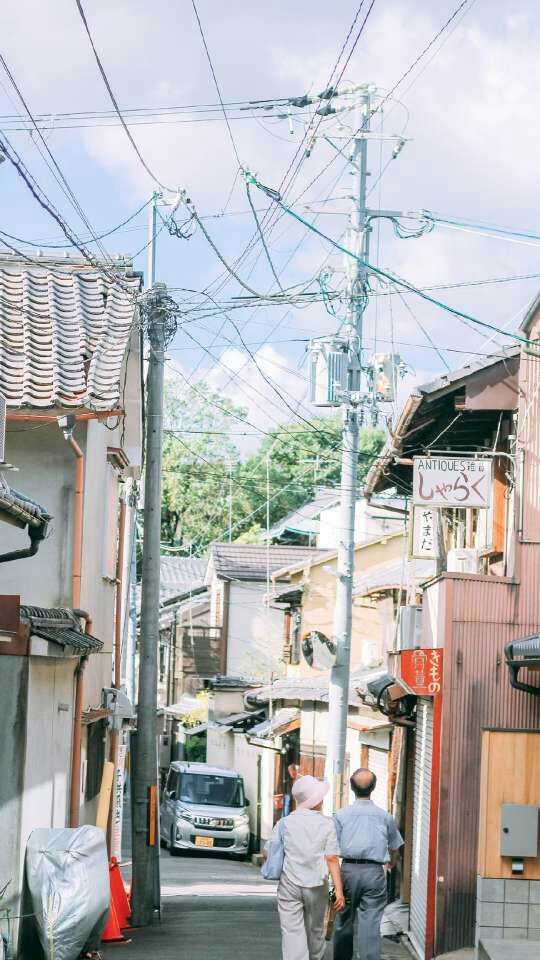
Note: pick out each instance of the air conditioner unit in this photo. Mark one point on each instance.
(462, 560)
(409, 632)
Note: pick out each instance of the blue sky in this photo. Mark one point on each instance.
(472, 119)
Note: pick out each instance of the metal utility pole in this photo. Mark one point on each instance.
(145, 843)
(357, 273)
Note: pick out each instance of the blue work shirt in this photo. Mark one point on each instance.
(366, 832)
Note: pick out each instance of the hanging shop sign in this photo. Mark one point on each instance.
(118, 803)
(424, 542)
(422, 670)
(452, 482)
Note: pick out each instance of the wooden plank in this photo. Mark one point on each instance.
(104, 801)
(510, 774)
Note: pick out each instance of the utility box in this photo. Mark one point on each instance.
(519, 830)
(409, 632)
(329, 371)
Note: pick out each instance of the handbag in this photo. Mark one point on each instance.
(275, 855)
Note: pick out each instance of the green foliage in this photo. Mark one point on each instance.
(301, 458)
(204, 477)
(195, 748)
(199, 462)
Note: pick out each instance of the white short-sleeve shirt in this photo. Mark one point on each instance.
(308, 837)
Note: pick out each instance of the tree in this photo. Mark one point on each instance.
(296, 458)
(207, 486)
(199, 462)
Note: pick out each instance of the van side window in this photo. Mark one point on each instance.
(172, 781)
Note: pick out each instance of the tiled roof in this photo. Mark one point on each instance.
(61, 626)
(316, 689)
(238, 561)
(20, 507)
(64, 332)
(305, 519)
(178, 575)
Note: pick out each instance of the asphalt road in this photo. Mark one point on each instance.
(213, 909)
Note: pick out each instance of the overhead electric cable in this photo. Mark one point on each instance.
(389, 276)
(115, 102)
(61, 246)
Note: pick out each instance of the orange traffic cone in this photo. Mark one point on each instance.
(112, 932)
(119, 895)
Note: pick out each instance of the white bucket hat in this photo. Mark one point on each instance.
(309, 792)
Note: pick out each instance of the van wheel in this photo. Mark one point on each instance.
(172, 849)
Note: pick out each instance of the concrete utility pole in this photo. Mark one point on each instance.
(357, 276)
(145, 843)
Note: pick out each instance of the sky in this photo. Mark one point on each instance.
(468, 110)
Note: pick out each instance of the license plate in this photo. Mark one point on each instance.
(204, 841)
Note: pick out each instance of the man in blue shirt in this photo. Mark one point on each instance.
(369, 843)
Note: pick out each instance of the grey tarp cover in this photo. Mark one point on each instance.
(68, 878)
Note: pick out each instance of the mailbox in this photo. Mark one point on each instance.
(519, 830)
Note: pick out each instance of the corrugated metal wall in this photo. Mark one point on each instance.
(421, 818)
(528, 439)
(483, 616)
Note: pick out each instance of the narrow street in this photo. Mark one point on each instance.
(214, 909)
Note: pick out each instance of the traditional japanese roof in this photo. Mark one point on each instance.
(276, 725)
(304, 521)
(20, 508)
(236, 561)
(180, 575)
(312, 689)
(60, 625)
(433, 412)
(64, 332)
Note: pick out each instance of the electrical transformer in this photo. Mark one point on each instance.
(383, 366)
(329, 367)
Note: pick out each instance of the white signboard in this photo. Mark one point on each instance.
(425, 533)
(451, 482)
(118, 804)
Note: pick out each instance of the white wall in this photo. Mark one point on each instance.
(246, 759)
(45, 799)
(370, 521)
(220, 748)
(255, 633)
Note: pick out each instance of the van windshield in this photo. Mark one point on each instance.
(211, 789)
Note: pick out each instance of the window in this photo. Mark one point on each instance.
(95, 758)
(211, 790)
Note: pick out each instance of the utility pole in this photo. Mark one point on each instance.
(145, 843)
(338, 701)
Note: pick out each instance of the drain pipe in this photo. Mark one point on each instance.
(75, 784)
(66, 425)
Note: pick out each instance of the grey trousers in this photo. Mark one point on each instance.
(364, 885)
(301, 915)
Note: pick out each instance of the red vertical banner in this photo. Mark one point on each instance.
(422, 670)
(434, 828)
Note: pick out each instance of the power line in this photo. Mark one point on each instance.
(93, 239)
(393, 278)
(213, 72)
(115, 102)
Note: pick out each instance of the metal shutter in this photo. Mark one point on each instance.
(378, 764)
(422, 798)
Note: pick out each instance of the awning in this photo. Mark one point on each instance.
(282, 722)
(185, 705)
(368, 724)
(60, 626)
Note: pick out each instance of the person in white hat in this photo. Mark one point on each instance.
(311, 852)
